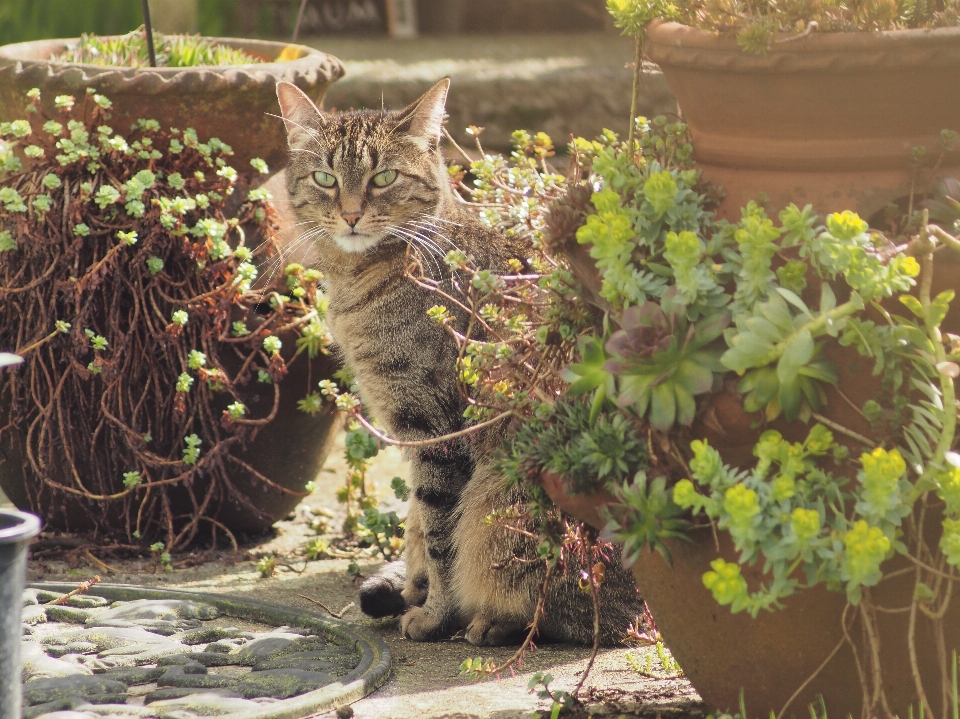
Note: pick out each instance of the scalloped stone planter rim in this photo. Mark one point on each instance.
(369, 675)
(232, 102)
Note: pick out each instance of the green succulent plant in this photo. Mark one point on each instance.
(663, 361)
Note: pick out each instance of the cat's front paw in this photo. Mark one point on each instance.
(422, 626)
(485, 631)
(415, 591)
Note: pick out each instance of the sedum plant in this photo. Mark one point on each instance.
(128, 258)
(130, 50)
(758, 23)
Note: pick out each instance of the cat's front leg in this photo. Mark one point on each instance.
(439, 475)
(414, 554)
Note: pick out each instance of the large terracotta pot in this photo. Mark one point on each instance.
(828, 119)
(236, 103)
(771, 656)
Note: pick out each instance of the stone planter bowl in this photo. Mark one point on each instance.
(236, 103)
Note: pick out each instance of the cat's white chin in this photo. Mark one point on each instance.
(355, 242)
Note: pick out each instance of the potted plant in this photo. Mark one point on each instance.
(148, 401)
(762, 411)
(221, 87)
(807, 102)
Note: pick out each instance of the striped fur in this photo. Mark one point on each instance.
(363, 237)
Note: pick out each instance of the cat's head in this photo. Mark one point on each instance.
(357, 178)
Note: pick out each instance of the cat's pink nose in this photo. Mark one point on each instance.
(352, 218)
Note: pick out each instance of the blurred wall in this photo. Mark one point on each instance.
(175, 16)
(22, 20)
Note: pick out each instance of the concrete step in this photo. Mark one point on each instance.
(561, 84)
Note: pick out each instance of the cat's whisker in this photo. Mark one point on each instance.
(278, 262)
(417, 242)
(276, 239)
(312, 131)
(427, 241)
(309, 152)
(277, 236)
(288, 248)
(442, 219)
(428, 226)
(426, 254)
(434, 232)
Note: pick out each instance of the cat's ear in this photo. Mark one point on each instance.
(423, 120)
(300, 114)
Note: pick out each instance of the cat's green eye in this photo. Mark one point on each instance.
(382, 179)
(324, 179)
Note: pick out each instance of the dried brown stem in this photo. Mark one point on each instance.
(82, 588)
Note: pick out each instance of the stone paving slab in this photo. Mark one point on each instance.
(114, 656)
(424, 681)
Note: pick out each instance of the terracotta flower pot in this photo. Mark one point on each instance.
(828, 119)
(236, 103)
(290, 450)
(770, 657)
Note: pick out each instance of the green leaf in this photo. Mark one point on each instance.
(798, 352)
(736, 360)
(822, 369)
(635, 390)
(776, 310)
(694, 378)
(686, 405)
(794, 300)
(940, 306)
(597, 404)
(764, 328)
(589, 374)
(663, 406)
(912, 304)
(708, 330)
(752, 345)
(791, 398)
(765, 385)
(828, 300)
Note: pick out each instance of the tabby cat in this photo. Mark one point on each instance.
(369, 189)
